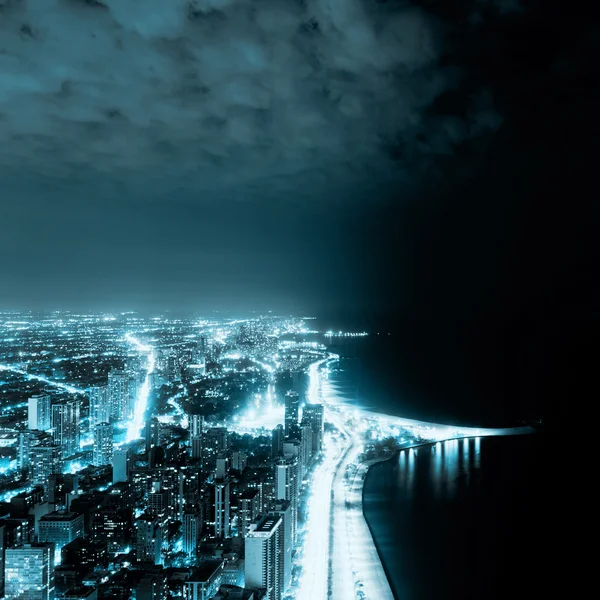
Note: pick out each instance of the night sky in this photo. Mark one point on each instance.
(425, 168)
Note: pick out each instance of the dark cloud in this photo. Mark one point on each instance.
(225, 96)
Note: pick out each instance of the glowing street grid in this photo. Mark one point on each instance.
(156, 375)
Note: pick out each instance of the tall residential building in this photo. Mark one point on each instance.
(196, 424)
(278, 435)
(313, 414)
(293, 448)
(152, 433)
(66, 426)
(262, 567)
(44, 459)
(111, 525)
(122, 464)
(38, 412)
(215, 443)
(287, 488)
(103, 444)
(192, 527)
(306, 436)
(249, 510)
(99, 406)
(29, 572)
(239, 460)
(283, 509)
(60, 528)
(148, 540)
(220, 508)
(118, 394)
(292, 405)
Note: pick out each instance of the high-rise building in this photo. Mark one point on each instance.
(222, 467)
(215, 443)
(118, 394)
(38, 412)
(287, 488)
(278, 435)
(306, 436)
(313, 414)
(99, 405)
(192, 528)
(29, 572)
(220, 508)
(152, 433)
(44, 459)
(60, 528)
(283, 509)
(249, 509)
(112, 526)
(239, 460)
(65, 426)
(262, 567)
(148, 540)
(122, 464)
(291, 448)
(103, 444)
(196, 424)
(292, 404)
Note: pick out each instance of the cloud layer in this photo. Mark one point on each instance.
(213, 95)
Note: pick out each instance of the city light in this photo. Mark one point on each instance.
(136, 424)
(253, 440)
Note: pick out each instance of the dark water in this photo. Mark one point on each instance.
(458, 520)
(462, 519)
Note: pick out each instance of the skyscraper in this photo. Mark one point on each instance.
(196, 423)
(287, 488)
(192, 527)
(221, 507)
(29, 572)
(99, 406)
(122, 463)
(44, 459)
(313, 413)
(118, 394)
(38, 412)
(292, 403)
(103, 444)
(249, 509)
(215, 442)
(148, 540)
(262, 568)
(283, 509)
(66, 426)
(152, 433)
(277, 440)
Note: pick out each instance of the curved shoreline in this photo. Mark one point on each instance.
(396, 455)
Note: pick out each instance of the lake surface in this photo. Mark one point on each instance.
(456, 520)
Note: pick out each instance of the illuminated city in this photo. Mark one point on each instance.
(190, 454)
(286, 290)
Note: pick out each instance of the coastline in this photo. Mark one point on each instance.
(370, 463)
